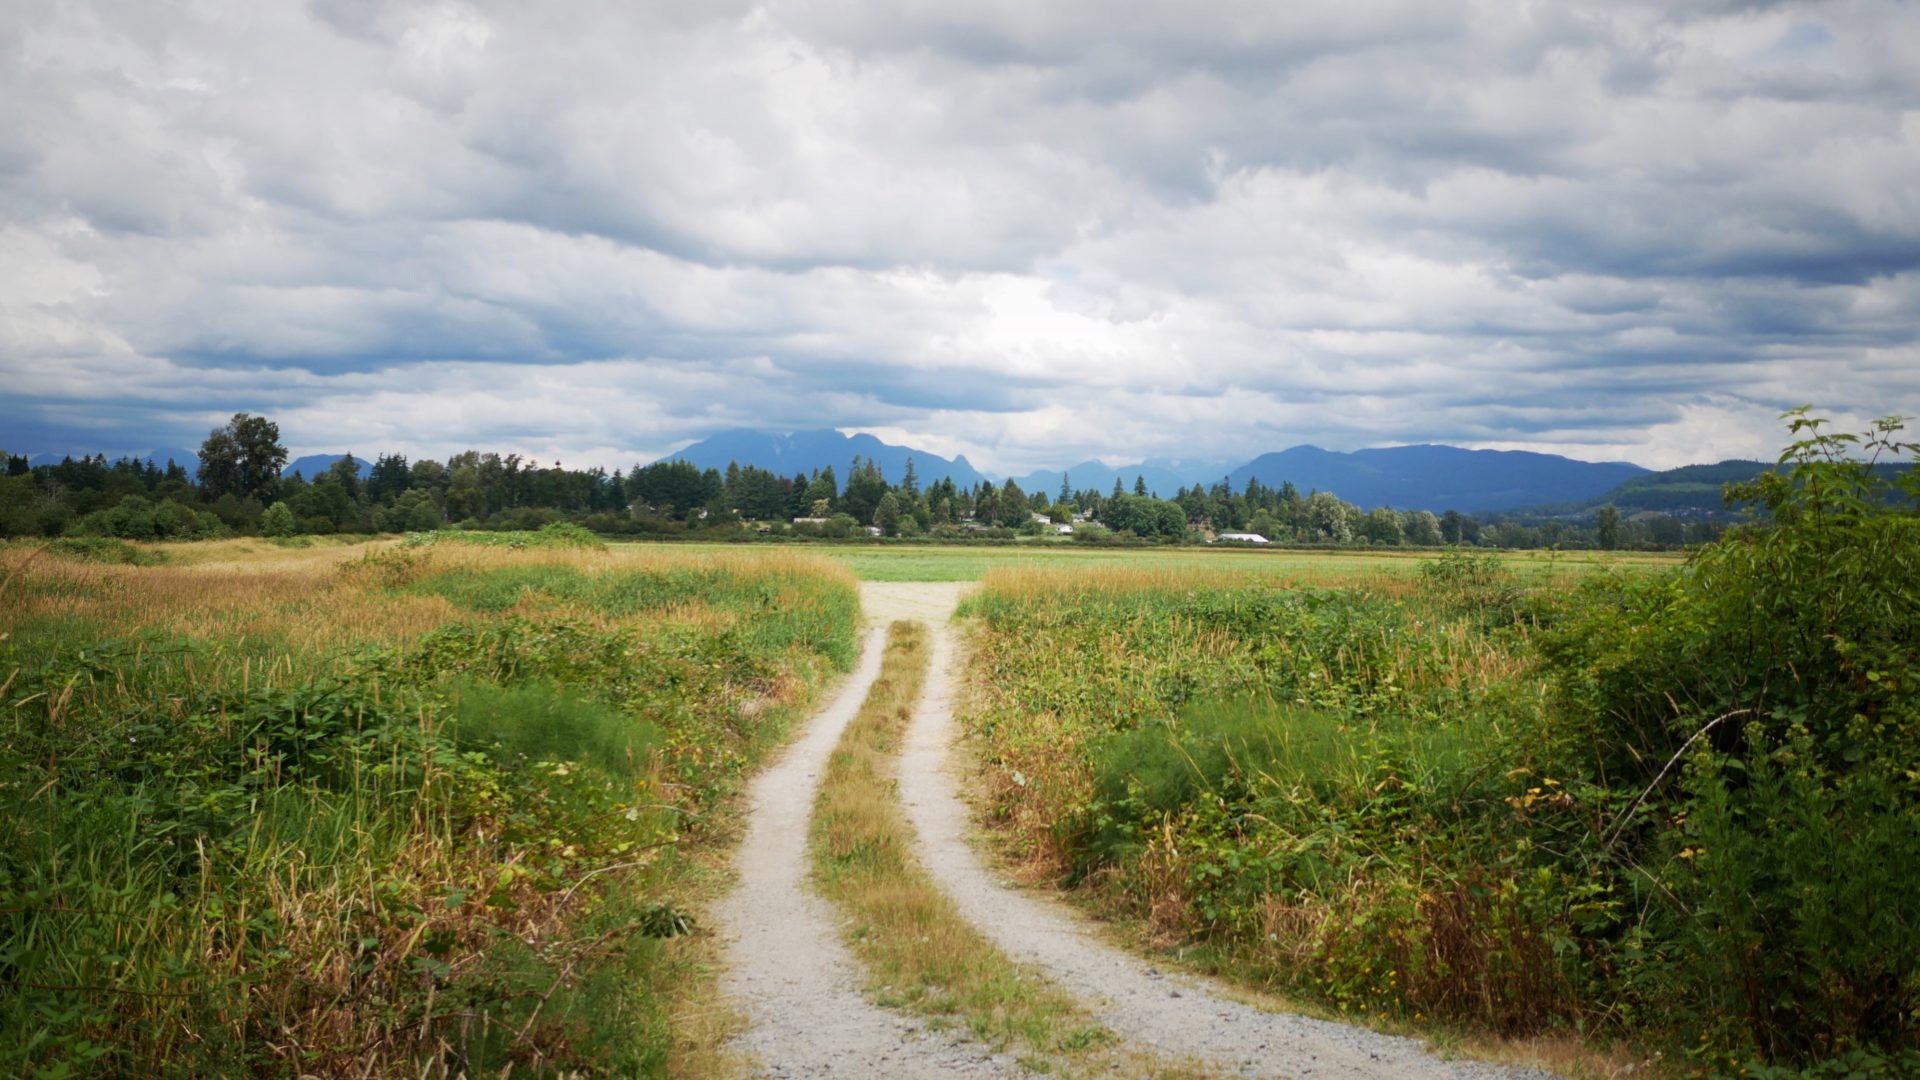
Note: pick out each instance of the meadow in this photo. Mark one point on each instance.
(971, 562)
(421, 809)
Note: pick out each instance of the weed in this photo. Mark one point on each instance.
(106, 549)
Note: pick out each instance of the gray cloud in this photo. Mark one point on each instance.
(1030, 233)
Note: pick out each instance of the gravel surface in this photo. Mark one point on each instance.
(1173, 1014)
(786, 966)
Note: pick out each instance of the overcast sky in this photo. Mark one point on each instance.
(1033, 231)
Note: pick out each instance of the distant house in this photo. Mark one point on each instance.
(1040, 518)
(874, 530)
(810, 521)
(1063, 530)
(1241, 538)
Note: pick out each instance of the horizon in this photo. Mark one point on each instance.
(293, 455)
(600, 233)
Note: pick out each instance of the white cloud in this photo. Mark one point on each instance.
(1030, 233)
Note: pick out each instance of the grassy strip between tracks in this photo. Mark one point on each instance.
(920, 953)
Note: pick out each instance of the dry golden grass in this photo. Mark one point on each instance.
(312, 600)
(298, 596)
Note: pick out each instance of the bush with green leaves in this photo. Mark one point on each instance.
(277, 521)
(106, 549)
(1682, 806)
(1762, 707)
(558, 534)
(139, 518)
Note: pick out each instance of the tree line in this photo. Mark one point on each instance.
(236, 488)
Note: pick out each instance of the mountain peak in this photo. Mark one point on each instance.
(820, 448)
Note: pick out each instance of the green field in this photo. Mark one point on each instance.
(963, 562)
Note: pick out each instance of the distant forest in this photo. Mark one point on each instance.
(236, 488)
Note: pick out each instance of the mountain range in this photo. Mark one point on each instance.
(313, 465)
(1428, 477)
(1424, 477)
(1163, 476)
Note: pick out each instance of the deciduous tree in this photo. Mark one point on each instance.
(243, 459)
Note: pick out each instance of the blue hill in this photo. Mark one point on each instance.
(1439, 477)
(314, 464)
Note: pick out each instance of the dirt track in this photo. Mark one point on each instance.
(786, 965)
(798, 986)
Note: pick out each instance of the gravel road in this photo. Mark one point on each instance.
(786, 966)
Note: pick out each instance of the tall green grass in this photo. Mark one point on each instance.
(454, 853)
(543, 721)
(1309, 786)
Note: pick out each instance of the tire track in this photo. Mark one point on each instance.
(786, 966)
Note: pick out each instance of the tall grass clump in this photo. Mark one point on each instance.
(283, 814)
(554, 534)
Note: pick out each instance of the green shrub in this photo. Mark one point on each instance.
(567, 534)
(1481, 584)
(1781, 855)
(559, 534)
(277, 521)
(1799, 924)
(137, 518)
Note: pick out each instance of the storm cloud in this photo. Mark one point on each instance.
(1032, 233)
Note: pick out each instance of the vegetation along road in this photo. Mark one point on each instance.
(789, 972)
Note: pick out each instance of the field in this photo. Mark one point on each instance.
(952, 562)
(449, 805)
(420, 810)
